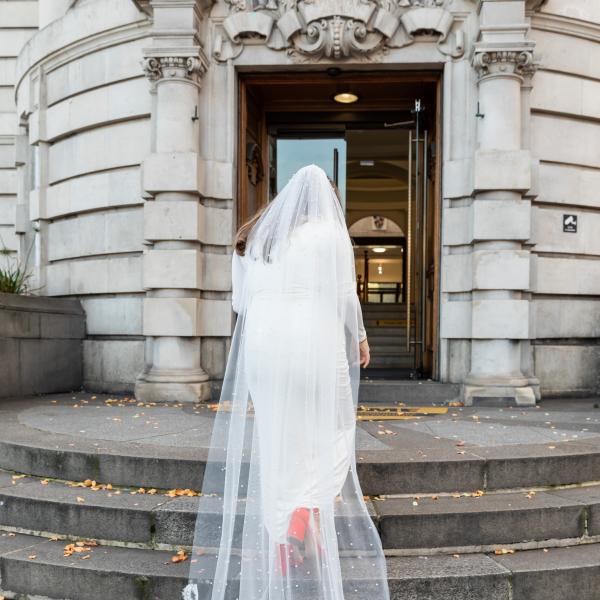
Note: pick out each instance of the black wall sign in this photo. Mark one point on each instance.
(570, 223)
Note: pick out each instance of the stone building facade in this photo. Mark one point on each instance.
(119, 169)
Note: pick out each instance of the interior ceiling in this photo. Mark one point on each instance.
(315, 91)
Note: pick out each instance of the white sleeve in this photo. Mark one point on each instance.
(362, 333)
(237, 281)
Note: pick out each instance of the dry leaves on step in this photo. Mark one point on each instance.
(81, 546)
(91, 484)
(181, 492)
(504, 551)
(180, 556)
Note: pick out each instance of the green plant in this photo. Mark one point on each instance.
(14, 280)
(14, 276)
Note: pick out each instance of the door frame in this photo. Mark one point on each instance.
(247, 79)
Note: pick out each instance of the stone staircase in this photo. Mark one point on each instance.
(388, 378)
(442, 519)
(386, 329)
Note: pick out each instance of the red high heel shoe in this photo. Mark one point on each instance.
(292, 552)
(297, 527)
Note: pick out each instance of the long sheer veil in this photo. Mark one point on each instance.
(282, 455)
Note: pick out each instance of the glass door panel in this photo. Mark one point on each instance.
(288, 154)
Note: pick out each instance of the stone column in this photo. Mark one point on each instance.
(173, 261)
(501, 216)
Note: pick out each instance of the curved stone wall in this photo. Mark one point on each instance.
(565, 138)
(81, 82)
(18, 22)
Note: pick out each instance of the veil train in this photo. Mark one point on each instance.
(281, 515)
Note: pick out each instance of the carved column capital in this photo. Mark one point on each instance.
(490, 62)
(172, 66)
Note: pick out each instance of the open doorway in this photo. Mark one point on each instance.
(382, 151)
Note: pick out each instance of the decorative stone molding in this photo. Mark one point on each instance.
(162, 67)
(333, 29)
(504, 61)
(141, 5)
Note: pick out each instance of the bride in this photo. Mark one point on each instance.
(281, 515)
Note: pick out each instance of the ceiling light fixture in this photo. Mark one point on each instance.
(378, 249)
(345, 97)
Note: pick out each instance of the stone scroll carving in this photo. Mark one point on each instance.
(497, 62)
(334, 29)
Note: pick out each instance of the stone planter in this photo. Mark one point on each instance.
(40, 345)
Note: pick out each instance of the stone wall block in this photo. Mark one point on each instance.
(456, 321)
(215, 318)
(501, 270)
(172, 220)
(173, 269)
(50, 365)
(171, 317)
(500, 319)
(217, 272)
(457, 226)
(19, 324)
(502, 170)
(171, 172)
(501, 220)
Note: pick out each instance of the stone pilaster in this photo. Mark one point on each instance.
(501, 214)
(174, 260)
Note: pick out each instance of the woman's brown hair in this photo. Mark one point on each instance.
(242, 233)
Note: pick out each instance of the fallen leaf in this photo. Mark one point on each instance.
(180, 556)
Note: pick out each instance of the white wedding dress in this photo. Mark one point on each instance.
(283, 439)
(278, 320)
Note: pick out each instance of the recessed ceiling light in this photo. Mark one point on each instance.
(367, 163)
(379, 249)
(345, 97)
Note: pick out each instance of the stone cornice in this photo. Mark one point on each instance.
(566, 26)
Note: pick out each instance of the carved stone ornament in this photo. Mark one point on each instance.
(165, 67)
(334, 29)
(504, 61)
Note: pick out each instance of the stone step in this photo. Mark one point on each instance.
(386, 334)
(33, 566)
(465, 523)
(391, 391)
(391, 362)
(402, 470)
(382, 340)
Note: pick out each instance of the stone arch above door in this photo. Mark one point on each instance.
(392, 217)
